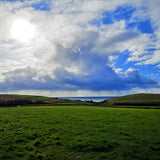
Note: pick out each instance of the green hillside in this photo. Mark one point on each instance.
(14, 100)
(31, 97)
(136, 99)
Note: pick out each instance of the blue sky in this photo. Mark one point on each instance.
(79, 47)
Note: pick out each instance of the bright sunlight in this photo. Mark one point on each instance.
(22, 30)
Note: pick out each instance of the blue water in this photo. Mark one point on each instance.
(94, 99)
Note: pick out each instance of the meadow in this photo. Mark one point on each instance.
(79, 133)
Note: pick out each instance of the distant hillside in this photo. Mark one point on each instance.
(136, 99)
(12, 100)
(128, 100)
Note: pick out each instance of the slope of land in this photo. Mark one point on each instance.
(135, 100)
(142, 99)
(12, 100)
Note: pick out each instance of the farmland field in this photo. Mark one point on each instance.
(79, 133)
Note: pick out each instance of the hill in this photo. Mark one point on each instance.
(13, 100)
(128, 100)
(142, 99)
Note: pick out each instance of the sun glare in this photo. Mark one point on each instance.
(22, 30)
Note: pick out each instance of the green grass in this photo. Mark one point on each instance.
(79, 133)
(32, 97)
(129, 106)
(136, 99)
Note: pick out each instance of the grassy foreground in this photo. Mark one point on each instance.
(79, 133)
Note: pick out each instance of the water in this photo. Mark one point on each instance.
(94, 99)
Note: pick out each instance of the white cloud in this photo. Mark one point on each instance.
(155, 59)
(66, 42)
(148, 10)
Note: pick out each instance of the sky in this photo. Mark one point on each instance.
(79, 47)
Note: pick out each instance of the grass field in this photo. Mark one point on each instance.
(32, 97)
(79, 133)
(142, 99)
